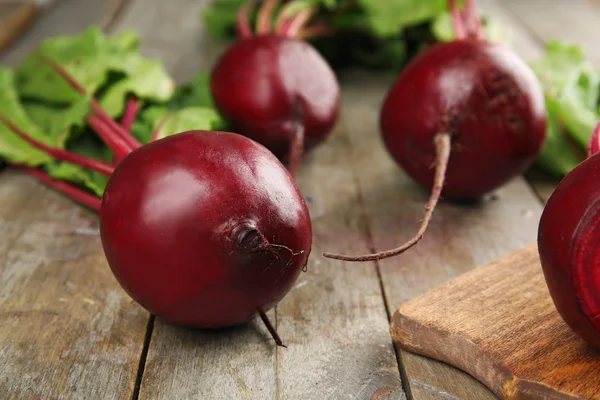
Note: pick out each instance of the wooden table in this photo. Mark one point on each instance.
(68, 331)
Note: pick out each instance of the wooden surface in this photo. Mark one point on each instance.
(499, 324)
(336, 319)
(15, 17)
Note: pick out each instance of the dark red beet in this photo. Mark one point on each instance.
(204, 229)
(276, 90)
(485, 97)
(568, 243)
(462, 119)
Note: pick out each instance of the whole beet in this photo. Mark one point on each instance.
(568, 239)
(462, 119)
(485, 97)
(204, 229)
(272, 88)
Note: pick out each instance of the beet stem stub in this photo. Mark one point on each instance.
(442, 150)
(243, 18)
(265, 14)
(296, 150)
(271, 329)
(81, 196)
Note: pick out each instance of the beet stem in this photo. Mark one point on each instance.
(460, 31)
(271, 329)
(282, 18)
(159, 127)
(104, 132)
(317, 30)
(296, 153)
(60, 154)
(298, 22)
(442, 150)
(243, 18)
(116, 138)
(473, 22)
(85, 198)
(594, 145)
(265, 14)
(131, 111)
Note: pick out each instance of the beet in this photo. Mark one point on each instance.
(568, 239)
(462, 119)
(204, 229)
(276, 88)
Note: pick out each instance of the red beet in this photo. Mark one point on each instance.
(462, 119)
(277, 89)
(205, 229)
(568, 240)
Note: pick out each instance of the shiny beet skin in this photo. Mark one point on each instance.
(569, 247)
(485, 97)
(204, 229)
(266, 85)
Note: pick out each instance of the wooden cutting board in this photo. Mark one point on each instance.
(498, 324)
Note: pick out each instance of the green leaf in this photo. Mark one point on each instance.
(12, 147)
(147, 80)
(558, 156)
(196, 93)
(443, 30)
(58, 121)
(221, 16)
(571, 86)
(88, 57)
(389, 18)
(86, 145)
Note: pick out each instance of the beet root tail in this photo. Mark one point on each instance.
(442, 148)
(296, 153)
(271, 329)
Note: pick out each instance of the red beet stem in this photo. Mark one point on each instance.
(317, 30)
(271, 329)
(117, 139)
(60, 154)
(298, 22)
(159, 127)
(296, 149)
(282, 16)
(243, 18)
(117, 134)
(460, 31)
(85, 198)
(442, 151)
(472, 21)
(105, 133)
(594, 145)
(131, 111)
(265, 14)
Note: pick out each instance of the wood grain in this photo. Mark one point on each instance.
(500, 324)
(15, 17)
(68, 330)
(64, 17)
(548, 19)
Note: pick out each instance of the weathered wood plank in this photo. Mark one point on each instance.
(335, 319)
(548, 19)
(63, 18)
(68, 330)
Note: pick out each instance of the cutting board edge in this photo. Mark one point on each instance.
(410, 336)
